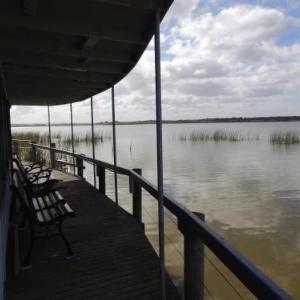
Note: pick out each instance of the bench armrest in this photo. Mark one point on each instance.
(33, 178)
(41, 189)
(35, 164)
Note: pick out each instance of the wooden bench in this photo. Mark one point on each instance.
(45, 212)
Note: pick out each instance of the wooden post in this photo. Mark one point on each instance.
(16, 147)
(137, 198)
(79, 163)
(101, 176)
(130, 182)
(193, 262)
(52, 155)
(33, 152)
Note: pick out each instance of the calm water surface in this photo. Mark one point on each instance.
(249, 192)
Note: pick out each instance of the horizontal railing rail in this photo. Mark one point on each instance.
(21, 141)
(255, 280)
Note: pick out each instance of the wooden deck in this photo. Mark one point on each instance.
(113, 258)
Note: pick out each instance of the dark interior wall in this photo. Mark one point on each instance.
(5, 182)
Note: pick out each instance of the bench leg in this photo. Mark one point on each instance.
(70, 253)
(26, 261)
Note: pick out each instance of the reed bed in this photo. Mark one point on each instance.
(99, 137)
(286, 137)
(43, 138)
(30, 136)
(217, 135)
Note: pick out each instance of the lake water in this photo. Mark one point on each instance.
(249, 191)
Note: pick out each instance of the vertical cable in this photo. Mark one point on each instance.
(49, 126)
(159, 150)
(72, 136)
(114, 143)
(93, 139)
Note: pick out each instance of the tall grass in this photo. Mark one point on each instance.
(43, 138)
(99, 137)
(31, 136)
(217, 135)
(61, 140)
(287, 137)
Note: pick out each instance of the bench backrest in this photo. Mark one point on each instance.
(17, 160)
(19, 189)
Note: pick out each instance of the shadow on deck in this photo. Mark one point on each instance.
(113, 258)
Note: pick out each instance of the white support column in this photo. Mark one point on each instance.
(72, 136)
(49, 125)
(114, 143)
(159, 151)
(93, 138)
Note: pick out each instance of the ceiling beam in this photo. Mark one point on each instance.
(34, 81)
(50, 94)
(27, 88)
(59, 62)
(43, 99)
(10, 69)
(53, 47)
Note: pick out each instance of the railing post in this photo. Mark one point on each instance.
(79, 163)
(137, 198)
(52, 155)
(16, 147)
(101, 176)
(33, 152)
(193, 262)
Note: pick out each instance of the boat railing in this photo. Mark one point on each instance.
(193, 227)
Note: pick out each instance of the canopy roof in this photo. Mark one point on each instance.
(60, 51)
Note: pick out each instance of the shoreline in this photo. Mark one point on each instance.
(192, 121)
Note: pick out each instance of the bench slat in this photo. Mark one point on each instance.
(51, 210)
(53, 201)
(66, 205)
(40, 217)
(45, 216)
(35, 204)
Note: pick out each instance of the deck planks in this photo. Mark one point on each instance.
(113, 258)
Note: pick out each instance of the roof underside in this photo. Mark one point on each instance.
(60, 51)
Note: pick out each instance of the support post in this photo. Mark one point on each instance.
(72, 136)
(101, 178)
(114, 143)
(16, 147)
(52, 155)
(93, 140)
(193, 262)
(49, 125)
(137, 198)
(130, 183)
(33, 152)
(159, 151)
(79, 163)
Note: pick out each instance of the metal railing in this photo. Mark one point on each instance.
(196, 233)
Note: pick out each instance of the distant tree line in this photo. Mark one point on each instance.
(208, 120)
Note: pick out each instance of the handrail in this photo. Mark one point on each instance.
(22, 141)
(255, 280)
(106, 165)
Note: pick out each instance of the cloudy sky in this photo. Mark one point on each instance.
(220, 58)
